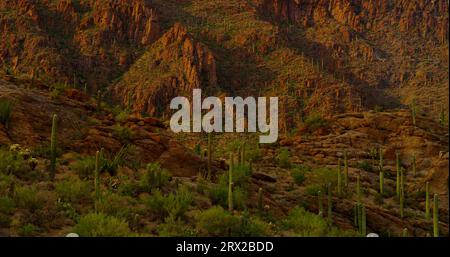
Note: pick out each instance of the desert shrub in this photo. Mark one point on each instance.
(323, 176)
(175, 227)
(303, 223)
(115, 205)
(128, 187)
(13, 163)
(218, 222)
(313, 190)
(111, 163)
(154, 177)
(124, 134)
(101, 225)
(84, 167)
(298, 173)
(28, 197)
(170, 205)
(121, 116)
(283, 158)
(314, 122)
(6, 209)
(27, 230)
(365, 165)
(6, 107)
(6, 184)
(73, 190)
(43, 150)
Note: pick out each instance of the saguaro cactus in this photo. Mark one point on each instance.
(345, 169)
(230, 184)
(358, 188)
(320, 198)
(330, 205)
(427, 201)
(381, 182)
(210, 155)
(339, 178)
(414, 164)
(436, 216)
(53, 148)
(260, 200)
(414, 111)
(398, 174)
(363, 220)
(402, 203)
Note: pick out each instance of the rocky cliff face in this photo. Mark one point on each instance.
(423, 18)
(74, 42)
(173, 66)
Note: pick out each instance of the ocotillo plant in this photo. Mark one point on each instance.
(436, 216)
(320, 197)
(230, 184)
(398, 174)
(53, 148)
(345, 169)
(427, 201)
(210, 155)
(330, 205)
(339, 178)
(260, 200)
(414, 164)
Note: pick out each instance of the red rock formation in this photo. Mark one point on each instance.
(425, 18)
(173, 66)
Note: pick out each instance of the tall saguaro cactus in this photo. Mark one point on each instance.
(398, 174)
(209, 155)
(260, 200)
(53, 148)
(345, 169)
(330, 205)
(358, 188)
(339, 178)
(320, 196)
(427, 201)
(230, 184)
(436, 216)
(381, 182)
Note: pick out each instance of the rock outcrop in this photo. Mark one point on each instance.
(173, 66)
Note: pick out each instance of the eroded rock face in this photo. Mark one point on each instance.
(426, 18)
(74, 42)
(173, 66)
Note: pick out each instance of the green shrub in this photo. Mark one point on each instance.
(6, 107)
(173, 227)
(365, 165)
(283, 158)
(6, 209)
(27, 230)
(115, 205)
(298, 173)
(6, 184)
(171, 205)
(154, 177)
(101, 225)
(314, 122)
(124, 134)
(84, 167)
(28, 197)
(323, 175)
(313, 190)
(13, 163)
(218, 222)
(73, 190)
